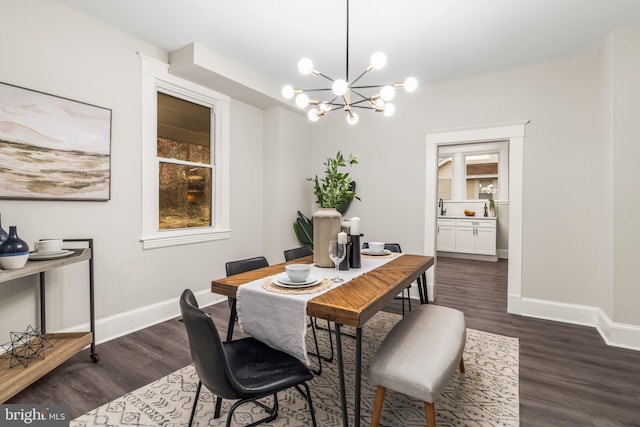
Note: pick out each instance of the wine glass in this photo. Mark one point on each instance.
(337, 252)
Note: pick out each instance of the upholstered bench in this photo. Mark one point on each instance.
(419, 356)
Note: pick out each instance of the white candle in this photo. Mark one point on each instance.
(342, 237)
(355, 226)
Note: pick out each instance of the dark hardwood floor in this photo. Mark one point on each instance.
(568, 375)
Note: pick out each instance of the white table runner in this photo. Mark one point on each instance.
(280, 320)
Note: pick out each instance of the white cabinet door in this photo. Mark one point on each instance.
(465, 239)
(446, 237)
(486, 241)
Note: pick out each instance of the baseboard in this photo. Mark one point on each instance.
(124, 323)
(614, 334)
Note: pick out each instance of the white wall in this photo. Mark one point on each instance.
(563, 144)
(287, 162)
(625, 147)
(49, 47)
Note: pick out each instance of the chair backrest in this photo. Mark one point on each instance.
(244, 265)
(207, 352)
(296, 253)
(393, 247)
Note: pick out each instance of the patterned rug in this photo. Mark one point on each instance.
(485, 395)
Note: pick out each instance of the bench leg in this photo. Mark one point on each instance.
(461, 364)
(430, 412)
(377, 409)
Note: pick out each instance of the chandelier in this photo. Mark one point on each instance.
(344, 94)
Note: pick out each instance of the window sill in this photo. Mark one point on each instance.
(176, 238)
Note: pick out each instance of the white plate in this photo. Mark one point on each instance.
(285, 282)
(368, 252)
(41, 256)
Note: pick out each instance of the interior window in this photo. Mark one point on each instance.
(481, 171)
(474, 172)
(445, 177)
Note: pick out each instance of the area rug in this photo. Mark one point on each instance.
(485, 395)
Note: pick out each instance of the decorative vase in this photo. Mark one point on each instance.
(3, 234)
(14, 252)
(326, 226)
(492, 207)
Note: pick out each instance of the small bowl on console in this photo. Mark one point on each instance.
(49, 246)
(298, 272)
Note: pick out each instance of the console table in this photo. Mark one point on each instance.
(64, 344)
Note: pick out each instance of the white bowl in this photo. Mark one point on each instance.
(298, 272)
(376, 247)
(49, 245)
(13, 261)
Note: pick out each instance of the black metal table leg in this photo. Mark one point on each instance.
(232, 319)
(43, 311)
(356, 421)
(343, 394)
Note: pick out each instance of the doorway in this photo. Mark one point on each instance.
(514, 133)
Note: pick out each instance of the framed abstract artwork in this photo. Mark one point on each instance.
(53, 148)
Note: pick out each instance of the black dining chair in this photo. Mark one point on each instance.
(301, 252)
(295, 253)
(243, 370)
(395, 247)
(236, 267)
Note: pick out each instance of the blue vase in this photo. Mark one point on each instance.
(3, 234)
(14, 252)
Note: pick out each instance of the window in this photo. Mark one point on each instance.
(481, 170)
(184, 163)
(445, 176)
(185, 139)
(465, 171)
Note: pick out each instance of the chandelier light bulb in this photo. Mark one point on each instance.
(410, 84)
(305, 66)
(288, 92)
(313, 115)
(379, 102)
(352, 118)
(339, 87)
(387, 93)
(389, 109)
(302, 100)
(325, 106)
(378, 60)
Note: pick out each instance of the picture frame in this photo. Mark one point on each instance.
(53, 148)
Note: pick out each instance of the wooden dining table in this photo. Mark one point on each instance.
(352, 304)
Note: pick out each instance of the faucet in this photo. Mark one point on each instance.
(443, 211)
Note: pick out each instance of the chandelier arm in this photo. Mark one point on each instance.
(361, 101)
(359, 77)
(369, 86)
(317, 90)
(326, 77)
(364, 98)
(363, 107)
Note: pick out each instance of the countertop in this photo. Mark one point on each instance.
(467, 217)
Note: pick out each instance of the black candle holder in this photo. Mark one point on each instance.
(354, 257)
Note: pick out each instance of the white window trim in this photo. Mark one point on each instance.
(155, 77)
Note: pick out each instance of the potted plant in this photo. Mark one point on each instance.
(334, 192)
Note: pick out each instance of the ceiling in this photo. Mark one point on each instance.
(432, 40)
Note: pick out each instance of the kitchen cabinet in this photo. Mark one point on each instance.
(466, 235)
(446, 235)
